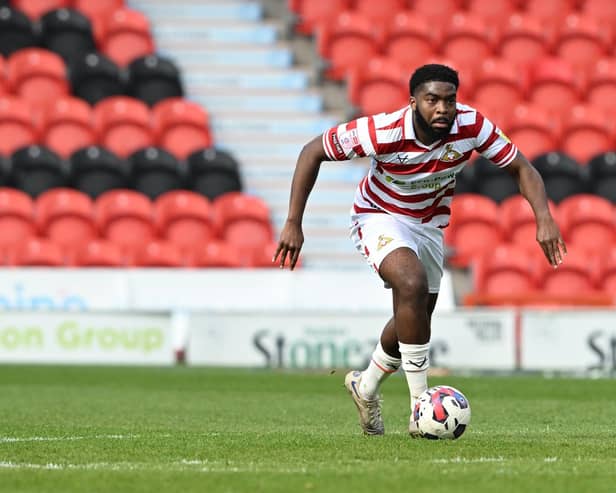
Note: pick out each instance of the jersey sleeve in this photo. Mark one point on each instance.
(493, 144)
(356, 138)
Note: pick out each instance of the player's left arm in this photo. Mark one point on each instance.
(533, 189)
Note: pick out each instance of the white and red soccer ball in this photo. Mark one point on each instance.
(442, 412)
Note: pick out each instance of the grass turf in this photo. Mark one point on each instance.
(139, 429)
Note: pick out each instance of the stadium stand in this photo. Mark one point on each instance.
(153, 78)
(602, 176)
(36, 169)
(16, 31)
(94, 77)
(213, 172)
(156, 171)
(68, 33)
(67, 125)
(95, 170)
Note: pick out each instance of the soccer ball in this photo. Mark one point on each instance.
(442, 412)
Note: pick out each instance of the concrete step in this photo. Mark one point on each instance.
(203, 58)
(185, 34)
(220, 100)
(232, 77)
(247, 127)
(172, 12)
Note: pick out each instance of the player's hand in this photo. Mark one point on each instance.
(289, 244)
(551, 242)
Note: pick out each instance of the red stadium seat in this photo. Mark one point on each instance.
(349, 41)
(181, 126)
(66, 217)
(602, 10)
(409, 40)
(576, 276)
(68, 125)
(185, 218)
(16, 217)
(505, 270)
(125, 217)
(586, 133)
(607, 271)
(581, 41)
(216, 254)
(380, 86)
(381, 12)
(553, 85)
(532, 129)
(37, 252)
(243, 220)
(97, 9)
(467, 40)
(435, 12)
(16, 124)
(522, 40)
(123, 124)
(262, 257)
(98, 253)
(36, 8)
(37, 75)
(493, 12)
(125, 35)
(498, 81)
(601, 85)
(549, 12)
(312, 14)
(474, 229)
(158, 253)
(589, 222)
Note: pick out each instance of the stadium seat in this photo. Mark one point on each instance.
(474, 228)
(600, 87)
(467, 41)
(153, 79)
(550, 13)
(311, 14)
(185, 218)
(5, 171)
(98, 253)
(346, 42)
(17, 128)
(125, 217)
(36, 8)
(522, 40)
(492, 181)
(607, 271)
(381, 12)
(37, 75)
(602, 176)
(602, 10)
(212, 173)
(68, 33)
(519, 224)
(553, 85)
(157, 253)
(381, 85)
(505, 270)
(216, 254)
(123, 124)
(125, 36)
(66, 217)
(409, 40)
(532, 130)
(181, 126)
(37, 252)
(243, 220)
(16, 31)
(36, 169)
(261, 257)
(16, 218)
(95, 170)
(586, 133)
(493, 12)
(95, 77)
(497, 81)
(67, 125)
(581, 41)
(98, 8)
(589, 222)
(465, 180)
(576, 276)
(561, 174)
(155, 171)
(436, 12)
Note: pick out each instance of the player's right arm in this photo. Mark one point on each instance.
(304, 178)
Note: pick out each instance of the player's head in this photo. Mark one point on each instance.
(433, 91)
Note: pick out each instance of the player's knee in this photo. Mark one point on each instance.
(413, 289)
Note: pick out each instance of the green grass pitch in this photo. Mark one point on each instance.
(65, 429)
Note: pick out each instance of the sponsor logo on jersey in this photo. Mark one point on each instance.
(349, 139)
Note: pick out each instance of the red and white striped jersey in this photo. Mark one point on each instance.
(407, 178)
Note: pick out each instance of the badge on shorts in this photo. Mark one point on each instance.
(383, 240)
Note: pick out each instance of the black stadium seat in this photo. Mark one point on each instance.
(95, 170)
(562, 175)
(36, 169)
(602, 175)
(68, 33)
(465, 180)
(153, 78)
(16, 31)
(5, 170)
(156, 171)
(212, 172)
(95, 77)
(492, 181)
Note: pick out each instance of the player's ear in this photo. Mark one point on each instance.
(413, 102)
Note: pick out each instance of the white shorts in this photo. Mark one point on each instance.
(376, 235)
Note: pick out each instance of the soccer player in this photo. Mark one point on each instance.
(400, 210)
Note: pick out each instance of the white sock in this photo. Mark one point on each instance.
(381, 366)
(415, 363)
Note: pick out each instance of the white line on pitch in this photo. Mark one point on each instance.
(66, 438)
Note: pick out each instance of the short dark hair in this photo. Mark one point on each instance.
(433, 72)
